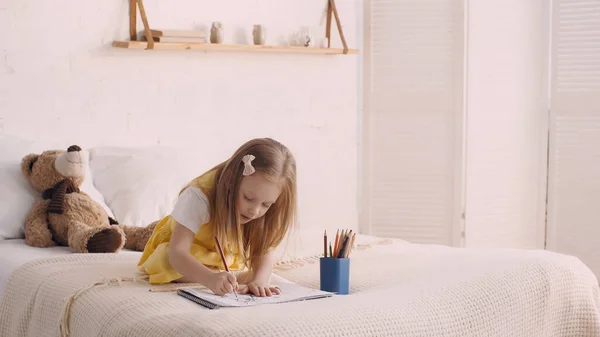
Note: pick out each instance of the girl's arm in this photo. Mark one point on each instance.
(181, 259)
(190, 212)
(260, 275)
(193, 271)
(261, 271)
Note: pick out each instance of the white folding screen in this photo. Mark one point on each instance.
(506, 123)
(413, 108)
(574, 165)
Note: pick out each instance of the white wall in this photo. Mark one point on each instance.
(60, 79)
(506, 123)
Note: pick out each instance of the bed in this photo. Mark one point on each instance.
(14, 253)
(397, 288)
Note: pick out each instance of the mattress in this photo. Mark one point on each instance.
(15, 253)
(397, 289)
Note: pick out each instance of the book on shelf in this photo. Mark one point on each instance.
(178, 39)
(178, 33)
(290, 292)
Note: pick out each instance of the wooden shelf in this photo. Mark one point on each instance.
(149, 43)
(230, 47)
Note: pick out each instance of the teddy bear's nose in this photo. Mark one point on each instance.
(73, 148)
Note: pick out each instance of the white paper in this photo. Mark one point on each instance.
(289, 292)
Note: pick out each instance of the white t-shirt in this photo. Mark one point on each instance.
(191, 209)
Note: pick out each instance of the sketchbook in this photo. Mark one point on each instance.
(289, 293)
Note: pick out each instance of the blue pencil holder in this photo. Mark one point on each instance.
(335, 275)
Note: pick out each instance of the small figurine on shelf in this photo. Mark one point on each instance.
(216, 33)
(302, 37)
(307, 42)
(258, 34)
(300, 40)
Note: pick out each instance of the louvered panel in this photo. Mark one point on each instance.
(574, 213)
(574, 166)
(413, 176)
(506, 103)
(577, 51)
(415, 49)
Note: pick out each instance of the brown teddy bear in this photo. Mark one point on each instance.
(67, 216)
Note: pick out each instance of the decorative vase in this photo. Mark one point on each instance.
(258, 35)
(216, 33)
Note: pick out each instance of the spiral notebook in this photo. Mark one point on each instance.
(289, 293)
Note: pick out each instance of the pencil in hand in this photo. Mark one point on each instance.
(224, 261)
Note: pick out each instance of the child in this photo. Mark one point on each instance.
(248, 202)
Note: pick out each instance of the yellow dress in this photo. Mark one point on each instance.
(155, 258)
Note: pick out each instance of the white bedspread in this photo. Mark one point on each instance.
(397, 290)
(15, 253)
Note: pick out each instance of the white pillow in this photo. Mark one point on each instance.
(141, 185)
(16, 193)
(17, 197)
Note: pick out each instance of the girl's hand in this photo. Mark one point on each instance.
(222, 283)
(259, 289)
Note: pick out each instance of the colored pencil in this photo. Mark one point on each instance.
(343, 247)
(349, 247)
(341, 242)
(325, 244)
(338, 255)
(223, 258)
(352, 243)
(335, 245)
(344, 253)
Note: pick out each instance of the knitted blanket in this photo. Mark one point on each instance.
(396, 290)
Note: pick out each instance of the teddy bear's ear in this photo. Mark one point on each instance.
(27, 164)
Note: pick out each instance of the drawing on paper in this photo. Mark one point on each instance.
(289, 293)
(247, 299)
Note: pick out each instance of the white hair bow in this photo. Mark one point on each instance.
(248, 168)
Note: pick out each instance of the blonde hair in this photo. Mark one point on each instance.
(260, 235)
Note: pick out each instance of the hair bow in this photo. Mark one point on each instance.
(248, 168)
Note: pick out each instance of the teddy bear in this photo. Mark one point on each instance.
(67, 216)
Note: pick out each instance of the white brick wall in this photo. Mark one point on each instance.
(61, 80)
